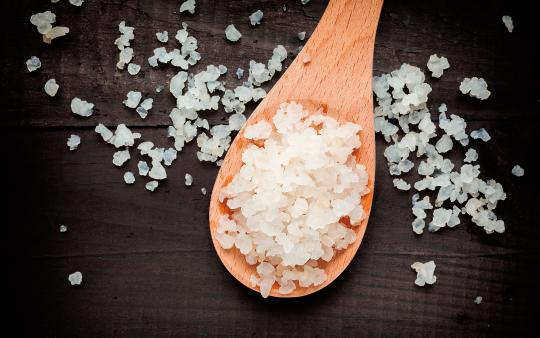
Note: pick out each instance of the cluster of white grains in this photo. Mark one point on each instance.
(402, 117)
(437, 65)
(182, 58)
(44, 24)
(508, 23)
(75, 278)
(291, 202)
(133, 100)
(123, 42)
(424, 273)
(475, 87)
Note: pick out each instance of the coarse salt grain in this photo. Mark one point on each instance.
(51, 87)
(232, 34)
(188, 6)
(424, 273)
(33, 63)
(188, 179)
(73, 141)
(63, 228)
(129, 178)
(81, 107)
(508, 23)
(75, 278)
(475, 87)
(437, 65)
(152, 185)
(518, 171)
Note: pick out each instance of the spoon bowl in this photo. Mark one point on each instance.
(335, 81)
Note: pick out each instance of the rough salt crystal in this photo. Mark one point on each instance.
(301, 36)
(133, 99)
(188, 6)
(239, 73)
(518, 171)
(444, 144)
(188, 179)
(120, 157)
(424, 273)
(43, 21)
(143, 168)
(232, 34)
(475, 87)
(33, 63)
(508, 22)
(51, 87)
(133, 69)
(437, 65)
(81, 107)
(481, 134)
(256, 17)
(129, 178)
(401, 184)
(478, 300)
(77, 3)
(162, 37)
(63, 228)
(203, 191)
(471, 155)
(152, 185)
(158, 171)
(75, 278)
(73, 141)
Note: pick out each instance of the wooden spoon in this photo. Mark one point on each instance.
(337, 79)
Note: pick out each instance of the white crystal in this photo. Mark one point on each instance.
(33, 63)
(51, 87)
(481, 134)
(232, 34)
(256, 17)
(133, 99)
(76, 2)
(75, 278)
(162, 37)
(73, 141)
(518, 171)
(203, 191)
(437, 65)
(81, 107)
(478, 300)
(133, 68)
(424, 273)
(470, 156)
(143, 168)
(475, 87)
(188, 179)
(129, 178)
(152, 185)
(301, 36)
(63, 228)
(188, 6)
(508, 22)
(120, 157)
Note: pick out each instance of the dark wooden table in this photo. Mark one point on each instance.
(148, 263)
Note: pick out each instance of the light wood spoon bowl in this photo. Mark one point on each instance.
(338, 80)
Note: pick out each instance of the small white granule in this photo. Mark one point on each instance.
(188, 179)
(162, 37)
(508, 22)
(143, 168)
(188, 6)
(33, 63)
(152, 185)
(133, 99)
(478, 300)
(304, 1)
(203, 191)
(76, 2)
(133, 69)
(518, 171)
(481, 134)
(232, 34)
(129, 178)
(144, 107)
(120, 157)
(424, 273)
(81, 107)
(437, 65)
(239, 73)
(63, 228)
(401, 184)
(51, 87)
(256, 17)
(73, 141)
(258, 131)
(475, 87)
(75, 278)
(471, 155)
(301, 36)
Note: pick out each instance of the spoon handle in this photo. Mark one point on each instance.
(335, 66)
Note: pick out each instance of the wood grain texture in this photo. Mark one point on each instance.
(336, 81)
(148, 262)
